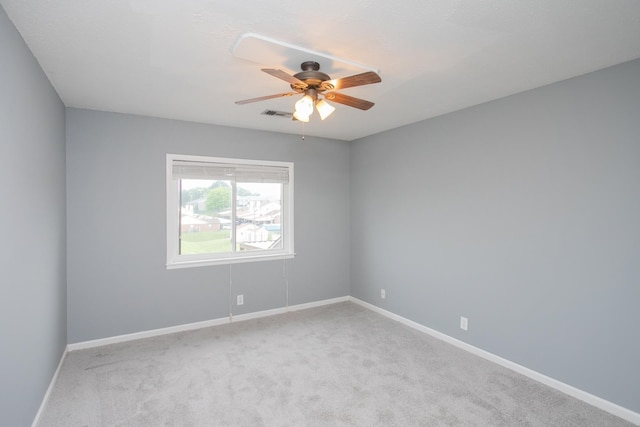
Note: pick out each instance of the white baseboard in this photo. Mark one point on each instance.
(319, 303)
(45, 399)
(592, 400)
(198, 325)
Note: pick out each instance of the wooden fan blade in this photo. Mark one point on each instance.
(348, 100)
(286, 77)
(264, 98)
(356, 80)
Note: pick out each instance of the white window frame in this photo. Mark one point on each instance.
(175, 260)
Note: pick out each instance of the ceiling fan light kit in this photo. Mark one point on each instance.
(313, 83)
(304, 106)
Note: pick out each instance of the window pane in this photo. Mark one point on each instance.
(205, 216)
(258, 216)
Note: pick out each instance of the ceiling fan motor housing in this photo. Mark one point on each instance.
(312, 78)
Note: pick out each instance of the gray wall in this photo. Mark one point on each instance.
(32, 226)
(116, 207)
(522, 214)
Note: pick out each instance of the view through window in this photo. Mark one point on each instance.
(206, 216)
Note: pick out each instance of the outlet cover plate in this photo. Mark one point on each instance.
(464, 323)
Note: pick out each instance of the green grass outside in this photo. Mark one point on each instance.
(205, 242)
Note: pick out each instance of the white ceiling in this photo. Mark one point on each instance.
(174, 59)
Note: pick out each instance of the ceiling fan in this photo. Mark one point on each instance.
(313, 84)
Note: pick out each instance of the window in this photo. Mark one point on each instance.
(222, 211)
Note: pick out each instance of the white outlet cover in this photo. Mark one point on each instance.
(464, 323)
(240, 299)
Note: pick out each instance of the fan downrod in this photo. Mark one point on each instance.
(310, 66)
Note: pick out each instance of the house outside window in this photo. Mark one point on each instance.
(222, 211)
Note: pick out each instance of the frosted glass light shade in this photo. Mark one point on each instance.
(304, 106)
(301, 117)
(324, 109)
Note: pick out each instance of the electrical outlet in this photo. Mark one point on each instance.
(464, 323)
(240, 299)
(383, 294)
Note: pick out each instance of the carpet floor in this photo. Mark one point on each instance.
(336, 365)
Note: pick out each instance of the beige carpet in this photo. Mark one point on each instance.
(338, 365)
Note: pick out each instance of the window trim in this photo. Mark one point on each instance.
(175, 260)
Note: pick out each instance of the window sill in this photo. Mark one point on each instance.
(225, 261)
